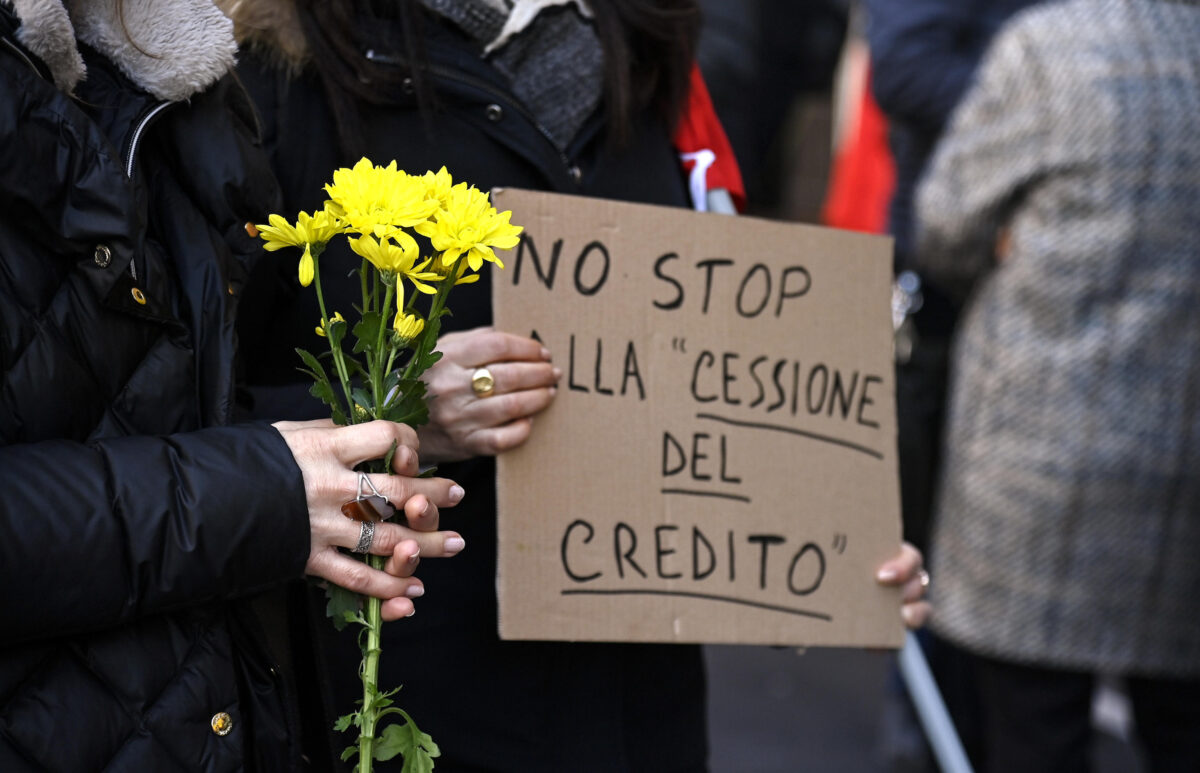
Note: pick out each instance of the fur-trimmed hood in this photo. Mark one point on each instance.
(171, 48)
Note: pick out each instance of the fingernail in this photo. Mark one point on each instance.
(553, 391)
(426, 510)
(410, 614)
(910, 616)
(454, 545)
(545, 353)
(456, 494)
(558, 374)
(886, 575)
(415, 591)
(413, 558)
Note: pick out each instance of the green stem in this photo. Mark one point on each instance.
(379, 375)
(362, 280)
(370, 676)
(339, 363)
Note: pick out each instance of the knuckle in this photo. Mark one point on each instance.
(373, 432)
(513, 408)
(387, 535)
(357, 577)
(489, 443)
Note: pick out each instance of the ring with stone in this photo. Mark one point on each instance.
(368, 504)
(482, 383)
(924, 578)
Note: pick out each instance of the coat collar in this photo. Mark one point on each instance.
(171, 48)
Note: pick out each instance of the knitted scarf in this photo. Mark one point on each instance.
(548, 50)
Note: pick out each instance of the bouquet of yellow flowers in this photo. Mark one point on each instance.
(381, 211)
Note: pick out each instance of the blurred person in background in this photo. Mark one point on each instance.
(1061, 206)
(924, 56)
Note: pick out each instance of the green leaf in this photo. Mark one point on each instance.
(429, 360)
(349, 752)
(341, 603)
(322, 388)
(315, 366)
(366, 332)
(417, 748)
(410, 408)
(343, 722)
(382, 700)
(363, 398)
(336, 333)
(391, 381)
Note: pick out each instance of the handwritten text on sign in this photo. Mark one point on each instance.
(719, 464)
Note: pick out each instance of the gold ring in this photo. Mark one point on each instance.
(482, 383)
(924, 577)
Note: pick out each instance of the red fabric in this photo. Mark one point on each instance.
(699, 129)
(864, 174)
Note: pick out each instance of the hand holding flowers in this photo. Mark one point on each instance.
(379, 355)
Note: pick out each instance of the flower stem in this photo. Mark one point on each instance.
(370, 676)
(343, 375)
(379, 375)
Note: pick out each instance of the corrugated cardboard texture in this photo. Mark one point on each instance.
(720, 462)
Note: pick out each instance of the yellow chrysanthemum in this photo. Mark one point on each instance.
(469, 225)
(378, 200)
(317, 228)
(337, 317)
(399, 260)
(408, 326)
(438, 186)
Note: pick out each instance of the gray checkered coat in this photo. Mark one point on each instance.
(1069, 518)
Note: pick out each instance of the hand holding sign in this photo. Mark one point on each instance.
(461, 424)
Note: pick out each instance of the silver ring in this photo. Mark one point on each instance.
(924, 577)
(366, 535)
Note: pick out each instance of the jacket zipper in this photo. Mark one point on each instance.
(138, 131)
(131, 155)
(484, 86)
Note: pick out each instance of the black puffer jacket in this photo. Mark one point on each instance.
(129, 519)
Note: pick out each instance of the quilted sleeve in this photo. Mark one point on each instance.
(99, 534)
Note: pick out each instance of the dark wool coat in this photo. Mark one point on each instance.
(129, 518)
(1069, 523)
(490, 705)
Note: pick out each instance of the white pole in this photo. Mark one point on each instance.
(931, 710)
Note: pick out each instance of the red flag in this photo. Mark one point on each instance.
(704, 149)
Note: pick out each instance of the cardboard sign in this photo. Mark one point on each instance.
(720, 462)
